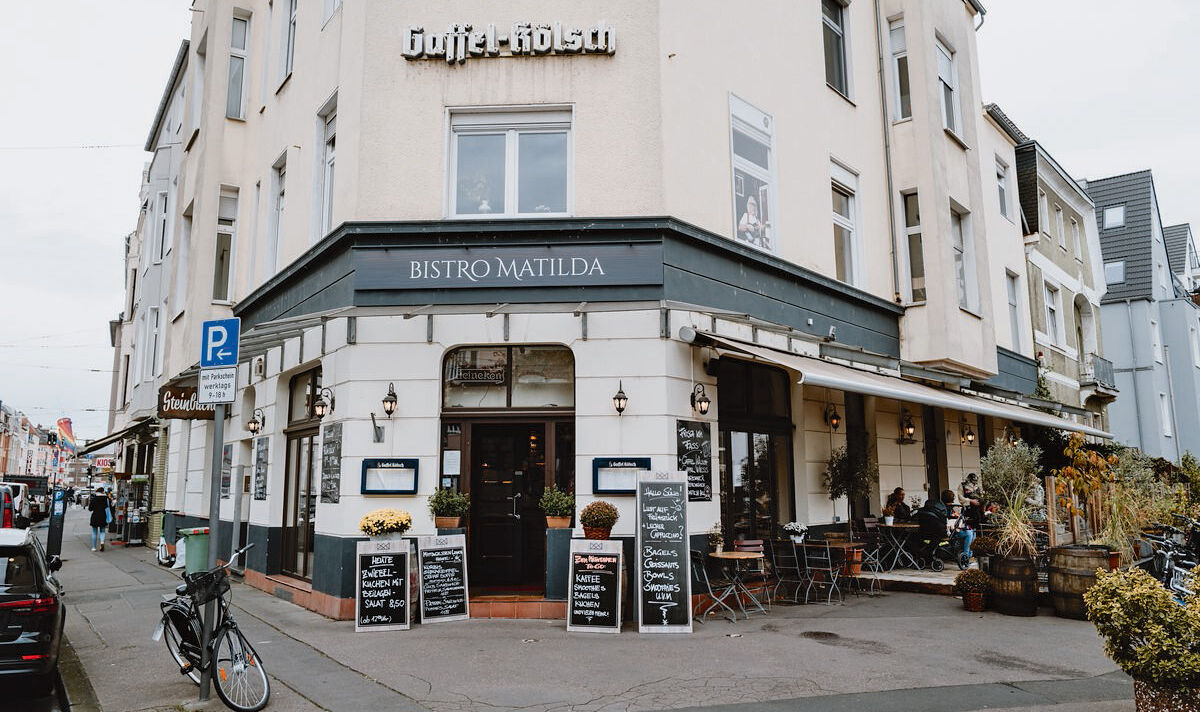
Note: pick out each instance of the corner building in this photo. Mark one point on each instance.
(655, 197)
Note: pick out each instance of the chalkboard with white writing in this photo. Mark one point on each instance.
(443, 561)
(594, 604)
(381, 602)
(664, 581)
(693, 452)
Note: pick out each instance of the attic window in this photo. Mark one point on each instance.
(1114, 216)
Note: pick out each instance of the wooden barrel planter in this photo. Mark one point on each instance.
(1072, 572)
(1014, 585)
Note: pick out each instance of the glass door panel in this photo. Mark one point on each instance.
(753, 486)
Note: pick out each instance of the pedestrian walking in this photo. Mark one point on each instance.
(101, 511)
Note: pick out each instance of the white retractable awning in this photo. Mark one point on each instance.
(817, 372)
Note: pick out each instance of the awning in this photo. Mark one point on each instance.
(107, 440)
(816, 372)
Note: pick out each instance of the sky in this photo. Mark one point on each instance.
(1106, 88)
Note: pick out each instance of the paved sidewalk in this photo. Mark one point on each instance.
(892, 652)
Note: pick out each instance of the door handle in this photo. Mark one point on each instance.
(516, 499)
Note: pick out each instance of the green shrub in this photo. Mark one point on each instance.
(449, 503)
(599, 514)
(556, 503)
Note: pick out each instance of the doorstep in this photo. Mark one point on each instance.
(517, 606)
(301, 593)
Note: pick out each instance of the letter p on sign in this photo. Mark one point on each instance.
(219, 342)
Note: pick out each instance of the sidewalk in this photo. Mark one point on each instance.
(891, 652)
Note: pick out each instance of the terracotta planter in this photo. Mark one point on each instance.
(974, 601)
(1114, 560)
(558, 522)
(596, 532)
(1148, 697)
(447, 522)
(852, 566)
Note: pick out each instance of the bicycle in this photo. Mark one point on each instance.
(237, 670)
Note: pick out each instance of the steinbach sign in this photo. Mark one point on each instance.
(461, 41)
(183, 403)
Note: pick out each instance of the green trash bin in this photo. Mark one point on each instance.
(196, 549)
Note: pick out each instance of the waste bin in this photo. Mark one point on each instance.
(195, 549)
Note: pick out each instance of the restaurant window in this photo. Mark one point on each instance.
(902, 86)
(916, 254)
(751, 141)
(303, 391)
(491, 377)
(510, 164)
(833, 16)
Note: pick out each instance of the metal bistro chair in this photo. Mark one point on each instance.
(872, 562)
(762, 576)
(785, 561)
(823, 570)
(710, 600)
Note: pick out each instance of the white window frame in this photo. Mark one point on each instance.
(226, 226)
(898, 38)
(1052, 295)
(1002, 188)
(162, 213)
(1076, 245)
(289, 38)
(1165, 411)
(198, 75)
(911, 232)
(150, 363)
(1110, 271)
(948, 79)
(1156, 341)
(1060, 226)
(845, 181)
(512, 123)
(242, 53)
(1012, 285)
(178, 300)
(331, 7)
(328, 163)
(1195, 337)
(1114, 216)
(963, 248)
(757, 124)
(842, 32)
(275, 223)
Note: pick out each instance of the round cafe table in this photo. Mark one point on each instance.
(896, 536)
(735, 562)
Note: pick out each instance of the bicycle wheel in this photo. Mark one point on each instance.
(238, 674)
(173, 639)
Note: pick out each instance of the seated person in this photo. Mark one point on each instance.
(900, 510)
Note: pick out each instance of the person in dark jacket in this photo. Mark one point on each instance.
(900, 510)
(100, 507)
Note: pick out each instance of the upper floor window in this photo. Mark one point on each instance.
(902, 87)
(1155, 341)
(1114, 272)
(1076, 245)
(833, 15)
(1114, 216)
(845, 237)
(916, 252)
(1013, 286)
(1053, 310)
(948, 79)
(303, 390)
(1059, 229)
(1043, 213)
(236, 90)
(161, 237)
(1002, 186)
(328, 160)
(964, 261)
(1165, 411)
(289, 42)
(275, 217)
(1195, 346)
(227, 211)
(751, 140)
(510, 164)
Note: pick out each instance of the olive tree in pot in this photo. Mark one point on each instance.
(1150, 636)
(558, 506)
(1009, 472)
(850, 476)
(448, 507)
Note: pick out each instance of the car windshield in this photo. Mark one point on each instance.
(18, 574)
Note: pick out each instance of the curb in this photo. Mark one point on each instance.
(74, 687)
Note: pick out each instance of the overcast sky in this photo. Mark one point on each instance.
(1106, 86)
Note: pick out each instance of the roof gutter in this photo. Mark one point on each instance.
(979, 8)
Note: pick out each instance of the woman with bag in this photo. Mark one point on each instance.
(101, 511)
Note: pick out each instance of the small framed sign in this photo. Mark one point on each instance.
(394, 475)
(617, 475)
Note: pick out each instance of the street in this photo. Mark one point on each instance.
(891, 652)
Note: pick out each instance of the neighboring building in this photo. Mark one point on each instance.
(1065, 279)
(1150, 323)
(1182, 255)
(508, 238)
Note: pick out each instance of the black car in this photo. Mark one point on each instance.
(31, 609)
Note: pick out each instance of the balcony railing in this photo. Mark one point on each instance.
(1097, 369)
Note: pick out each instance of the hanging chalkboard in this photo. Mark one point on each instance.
(381, 600)
(331, 464)
(594, 602)
(443, 561)
(664, 579)
(260, 467)
(693, 443)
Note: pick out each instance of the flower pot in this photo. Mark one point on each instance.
(720, 548)
(388, 536)
(447, 522)
(1148, 697)
(596, 532)
(852, 565)
(887, 521)
(974, 601)
(1114, 560)
(985, 563)
(798, 538)
(558, 522)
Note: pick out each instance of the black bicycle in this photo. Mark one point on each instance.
(237, 670)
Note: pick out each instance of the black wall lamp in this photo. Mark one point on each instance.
(322, 406)
(833, 417)
(908, 429)
(620, 400)
(256, 422)
(389, 407)
(700, 399)
(968, 436)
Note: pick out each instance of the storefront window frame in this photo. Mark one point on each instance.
(508, 380)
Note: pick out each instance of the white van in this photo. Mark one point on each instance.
(22, 508)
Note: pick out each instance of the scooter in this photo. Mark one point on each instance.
(168, 554)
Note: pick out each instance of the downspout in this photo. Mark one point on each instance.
(887, 155)
(1133, 372)
(1171, 401)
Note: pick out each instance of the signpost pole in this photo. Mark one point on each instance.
(214, 522)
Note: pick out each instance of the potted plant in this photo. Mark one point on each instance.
(850, 476)
(558, 506)
(716, 540)
(889, 514)
(984, 548)
(973, 586)
(796, 531)
(448, 507)
(1010, 471)
(385, 524)
(598, 519)
(1149, 636)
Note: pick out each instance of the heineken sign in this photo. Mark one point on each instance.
(462, 41)
(509, 266)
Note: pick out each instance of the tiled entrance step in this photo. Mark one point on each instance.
(517, 607)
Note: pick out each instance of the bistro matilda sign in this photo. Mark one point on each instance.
(461, 41)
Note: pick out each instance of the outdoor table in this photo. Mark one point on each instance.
(736, 585)
(896, 536)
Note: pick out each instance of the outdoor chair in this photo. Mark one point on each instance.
(761, 577)
(709, 599)
(823, 570)
(872, 562)
(786, 562)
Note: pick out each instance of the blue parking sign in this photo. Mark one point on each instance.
(219, 342)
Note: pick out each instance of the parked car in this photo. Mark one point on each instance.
(8, 510)
(31, 610)
(21, 504)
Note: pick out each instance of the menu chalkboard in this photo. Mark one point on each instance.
(260, 467)
(443, 561)
(594, 604)
(664, 578)
(331, 464)
(381, 602)
(693, 446)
